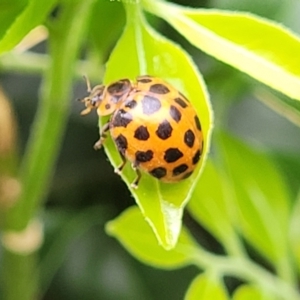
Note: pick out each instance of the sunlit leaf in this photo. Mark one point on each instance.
(259, 47)
(162, 204)
(131, 229)
(206, 286)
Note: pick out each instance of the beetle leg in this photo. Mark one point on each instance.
(103, 136)
(136, 181)
(119, 169)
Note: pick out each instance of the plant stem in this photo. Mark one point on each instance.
(20, 278)
(246, 270)
(49, 125)
(35, 63)
(44, 143)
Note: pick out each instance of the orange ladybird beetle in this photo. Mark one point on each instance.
(152, 124)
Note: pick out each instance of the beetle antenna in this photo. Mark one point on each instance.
(88, 84)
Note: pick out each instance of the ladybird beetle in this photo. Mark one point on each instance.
(152, 124)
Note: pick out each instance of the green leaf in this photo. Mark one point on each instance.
(261, 197)
(206, 286)
(131, 229)
(289, 164)
(212, 206)
(106, 16)
(248, 292)
(162, 204)
(263, 49)
(34, 14)
(295, 232)
(8, 13)
(284, 106)
(270, 8)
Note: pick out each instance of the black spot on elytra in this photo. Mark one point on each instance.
(181, 102)
(121, 119)
(158, 172)
(159, 88)
(197, 122)
(121, 143)
(143, 156)
(131, 104)
(118, 87)
(196, 157)
(189, 138)
(172, 154)
(188, 174)
(175, 113)
(164, 130)
(107, 106)
(180, 169)
(141, 133)
(183, 96)
(150, 105)
(144, 79)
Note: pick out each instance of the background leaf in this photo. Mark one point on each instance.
(131, 229)
(261, 198)
(295, 232)
(248, 292)
(101, 19)
(284, 106)
(206, 286)
(8, 13)
(33, 15)
(259, 47)
(213, 206)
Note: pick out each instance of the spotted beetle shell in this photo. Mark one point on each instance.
(157, 130)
